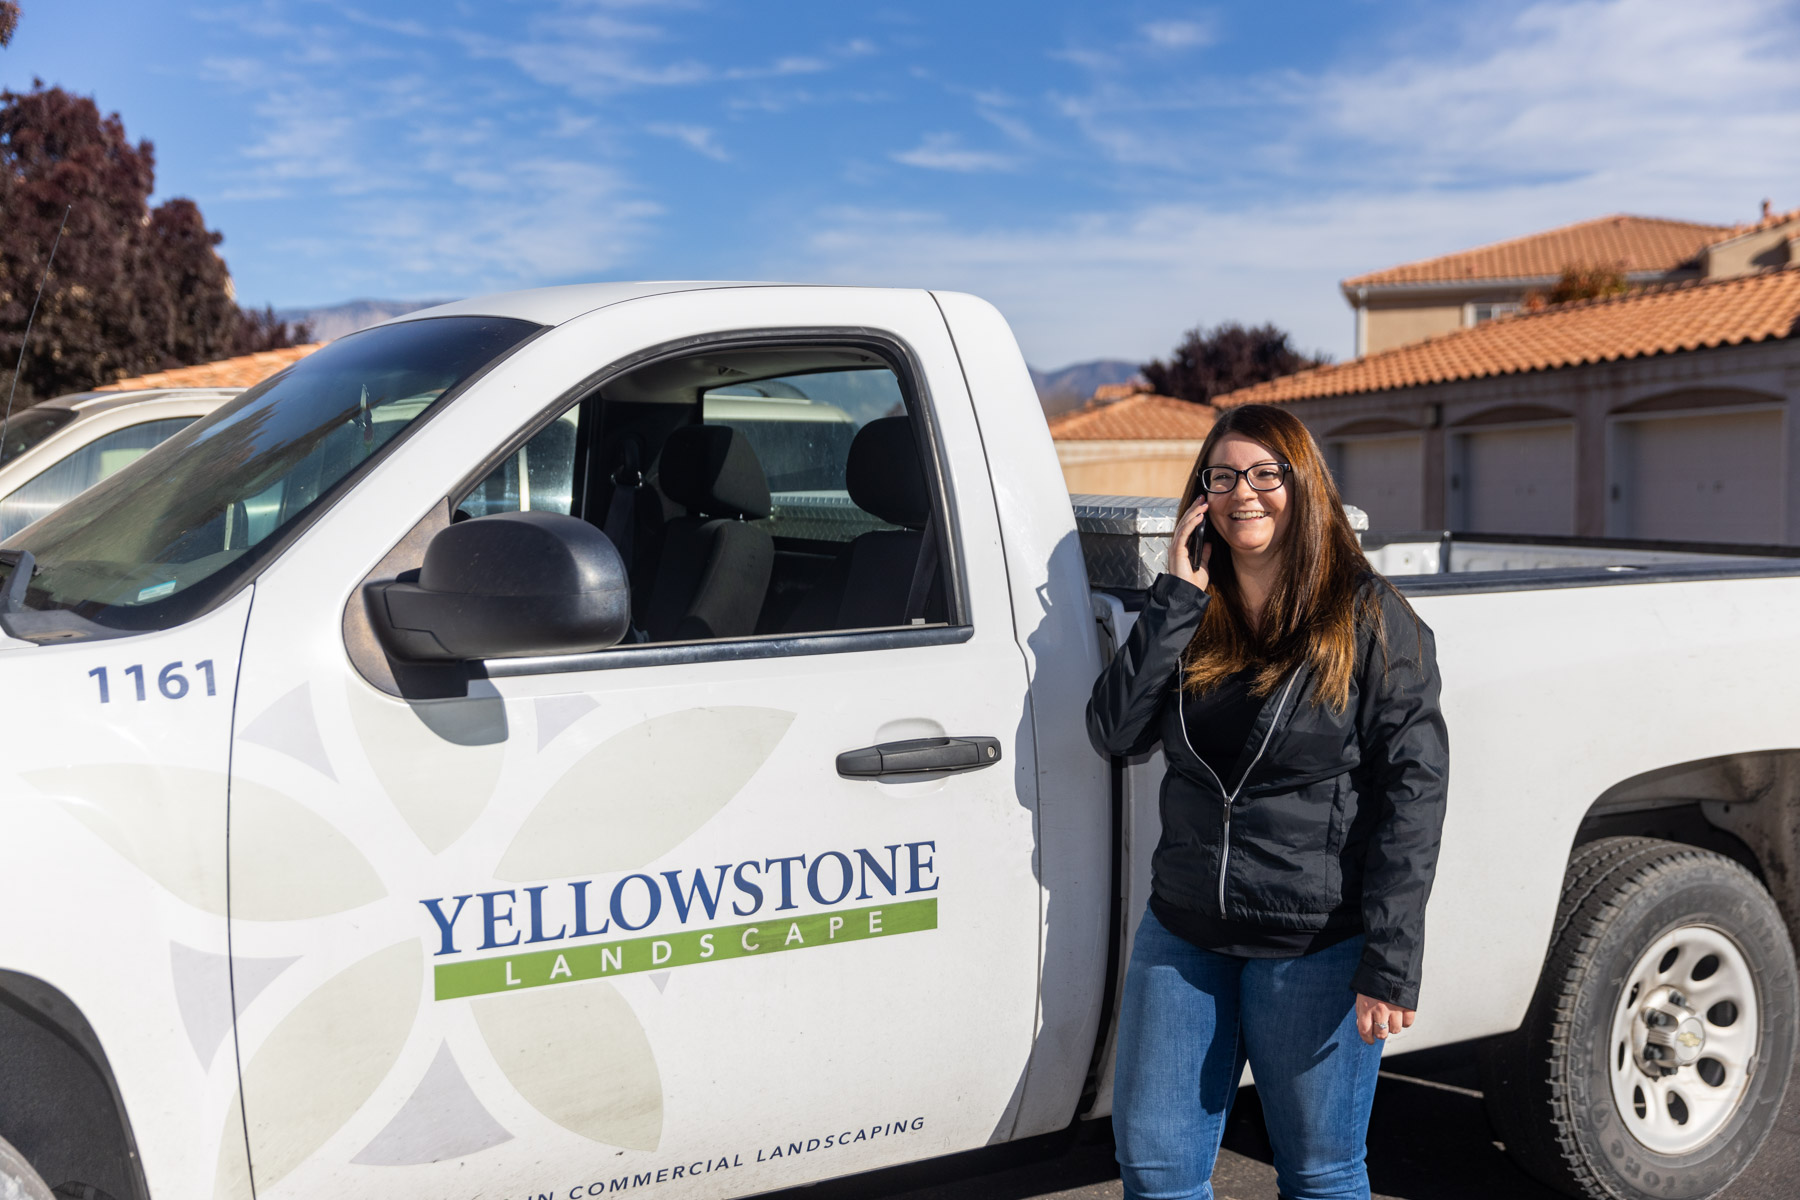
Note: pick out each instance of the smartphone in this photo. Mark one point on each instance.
(1196, 540)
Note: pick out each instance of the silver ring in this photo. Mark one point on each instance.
(1381, 1025)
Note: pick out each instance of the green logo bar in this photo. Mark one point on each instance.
(573, 964)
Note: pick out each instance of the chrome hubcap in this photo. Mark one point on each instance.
(1668, 1034)
(1683, 1040)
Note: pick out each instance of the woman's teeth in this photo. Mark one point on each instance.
(1248, 516)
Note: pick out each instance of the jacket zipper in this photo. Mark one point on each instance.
(1225, 841)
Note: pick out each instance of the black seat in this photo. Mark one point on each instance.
(714, 568)
(874, 577)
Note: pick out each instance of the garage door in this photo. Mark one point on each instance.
(1514, 480)
(1704, 477)
(1382, 476)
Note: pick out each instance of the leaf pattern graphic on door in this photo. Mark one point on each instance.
(577, 1055)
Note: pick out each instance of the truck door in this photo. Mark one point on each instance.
(664, 914)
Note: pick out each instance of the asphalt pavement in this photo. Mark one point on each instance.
(1429, 1139)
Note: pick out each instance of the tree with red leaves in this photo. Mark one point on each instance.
(1211, 362)
(133, 289)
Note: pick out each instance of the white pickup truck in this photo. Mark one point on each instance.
(498, 758)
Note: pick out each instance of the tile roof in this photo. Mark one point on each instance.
(1632, 243)
(1142, 417)
(243, 371)
(1663, 319)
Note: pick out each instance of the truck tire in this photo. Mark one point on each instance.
(17, 1180)
(1656, 1052)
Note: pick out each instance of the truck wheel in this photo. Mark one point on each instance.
(17, 1180)
(1656, 1053)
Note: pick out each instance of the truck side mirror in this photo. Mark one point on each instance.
(512, 584)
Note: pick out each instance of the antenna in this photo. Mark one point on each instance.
(7, 420)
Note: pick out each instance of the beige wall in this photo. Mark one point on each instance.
(1752, 252)
(1390, 327)
(1136, 468)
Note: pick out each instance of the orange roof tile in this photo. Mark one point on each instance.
(1664, 319)
(244, 371)
(1630, 243)
(1143, 417)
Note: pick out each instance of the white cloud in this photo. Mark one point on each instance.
(1532, 119)
(793, 64)
(697, 138)
(587, 54)
(405, 28)
(556, 219)
(594, 54)
(530, 222)
(1662, 90)
(945, 152)
(1011, 126)
(1092, 60)
(1111, 284)
(419, 180)
(1179, 35)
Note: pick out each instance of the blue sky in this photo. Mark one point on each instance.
(1109, 174)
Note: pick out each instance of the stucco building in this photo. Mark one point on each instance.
(1404, 304)
(1139, 445)
(1670, 412)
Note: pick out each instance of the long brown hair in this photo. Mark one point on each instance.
(1320, 593)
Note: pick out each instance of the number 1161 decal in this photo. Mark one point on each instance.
(170, 681)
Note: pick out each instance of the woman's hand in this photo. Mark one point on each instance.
(1180, 565)
(1377, 1020)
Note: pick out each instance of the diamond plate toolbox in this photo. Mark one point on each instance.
(1125, 539)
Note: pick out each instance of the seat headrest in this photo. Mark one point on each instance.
(884, 474)
(711, 470)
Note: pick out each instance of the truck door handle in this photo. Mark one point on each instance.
(919, 756)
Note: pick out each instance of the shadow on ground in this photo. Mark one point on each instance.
(1429, 1139)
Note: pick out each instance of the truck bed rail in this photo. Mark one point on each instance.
(1125, 542)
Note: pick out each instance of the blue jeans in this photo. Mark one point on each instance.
(1189, 1020)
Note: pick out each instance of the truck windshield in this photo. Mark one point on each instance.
(166, 538)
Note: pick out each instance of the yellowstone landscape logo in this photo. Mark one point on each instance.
(636, 902)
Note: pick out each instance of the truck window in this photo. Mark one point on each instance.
(801, 428)
(161, 542)
(782, 546)
(538, 477)
(101, 458)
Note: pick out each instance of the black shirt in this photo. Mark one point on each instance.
(1218, 726)
(1219, 721)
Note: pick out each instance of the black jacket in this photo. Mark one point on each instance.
(1337, 821)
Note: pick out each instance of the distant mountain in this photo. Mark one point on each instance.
(334, 321)
(1068, 389)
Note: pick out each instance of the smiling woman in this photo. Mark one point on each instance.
(1286, 918)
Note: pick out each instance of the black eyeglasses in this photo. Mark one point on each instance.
(1263, 477)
